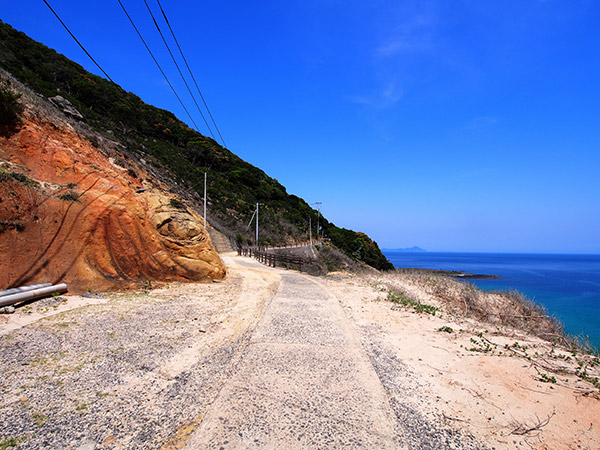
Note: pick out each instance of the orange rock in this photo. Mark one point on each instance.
(83, 222)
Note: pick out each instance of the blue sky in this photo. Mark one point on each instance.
(451, 125)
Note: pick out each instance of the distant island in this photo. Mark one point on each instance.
(414, 249)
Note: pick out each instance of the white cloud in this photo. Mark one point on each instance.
(413, 34)
(385, 96)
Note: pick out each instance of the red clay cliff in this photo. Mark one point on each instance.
(69, 213)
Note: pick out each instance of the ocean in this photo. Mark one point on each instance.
(568, 286)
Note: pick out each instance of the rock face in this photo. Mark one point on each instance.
(66, 106)
(69, 213)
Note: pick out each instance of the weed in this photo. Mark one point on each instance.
(422, 307)
(39, 419)
(39, 361)
(544, 378)
(402, 299)
(7, 443)
(6, 175)
(446, 329)
(482, 345)
(81, 407)
(12, 224)
(66, 324)
(70, 196)
(10, 112)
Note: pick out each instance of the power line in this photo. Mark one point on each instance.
(178, 69)
(190, 71)
(158, 65)
(88, 53)
(79, 43)
(156, 62)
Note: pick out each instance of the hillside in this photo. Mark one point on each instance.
(176, 154)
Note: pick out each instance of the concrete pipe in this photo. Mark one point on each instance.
(32, 295)
(24, 288)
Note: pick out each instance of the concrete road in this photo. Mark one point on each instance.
(304, 381)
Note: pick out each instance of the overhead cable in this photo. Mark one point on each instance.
(190, 71)
(158, 65)
(178, 69)
(88, 53)
(79, 43)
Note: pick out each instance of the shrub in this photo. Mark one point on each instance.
(10, 112)
(70, 196)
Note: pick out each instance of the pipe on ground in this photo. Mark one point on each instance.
(24, 288)
(32, 295)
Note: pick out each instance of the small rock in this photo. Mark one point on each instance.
(87, 445)
(7, 310)
(201, 330)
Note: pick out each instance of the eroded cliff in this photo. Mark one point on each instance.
(87, 215)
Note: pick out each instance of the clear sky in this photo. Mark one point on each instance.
(452, 125)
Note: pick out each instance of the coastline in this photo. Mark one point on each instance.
(450, 273)
(566, 285)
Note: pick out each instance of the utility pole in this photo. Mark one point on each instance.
(318, 215)
(262, 204)
(310, 229)
(205, 200)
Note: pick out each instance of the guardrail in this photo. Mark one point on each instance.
(273, 259)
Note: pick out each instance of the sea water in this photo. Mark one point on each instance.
(568, 286)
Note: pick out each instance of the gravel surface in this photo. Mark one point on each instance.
(120, 375)
(266, 359)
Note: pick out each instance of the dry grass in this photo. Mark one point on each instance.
(501, 308)
(555, 356)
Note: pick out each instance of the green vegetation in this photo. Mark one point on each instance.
(482, 345)
(7, 443)
(402, 299)
(545, 378)
(39, 419)
(158, 137)
(446, 329)
(69, 196)
(10, 112)
(12, 224)
(7, 175)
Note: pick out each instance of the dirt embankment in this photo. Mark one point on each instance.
(88, 216)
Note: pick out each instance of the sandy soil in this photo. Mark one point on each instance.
(161, 368)
(496, 395)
